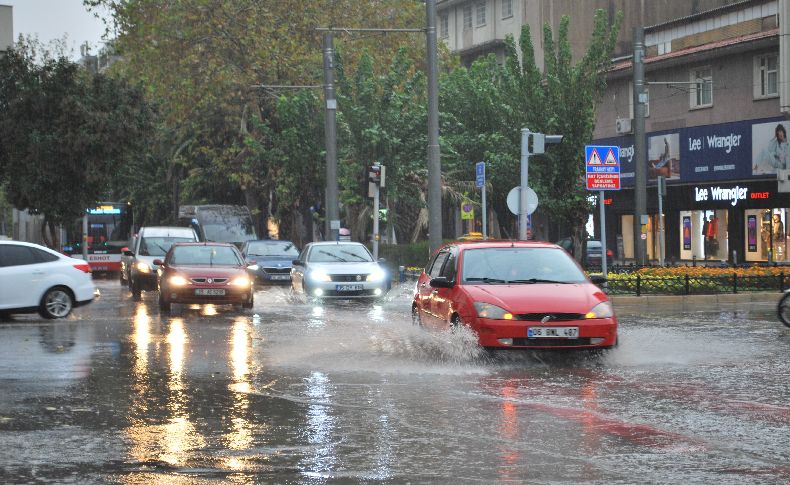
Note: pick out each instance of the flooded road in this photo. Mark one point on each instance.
(302, 393)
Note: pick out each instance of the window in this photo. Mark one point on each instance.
(701, 88)
(766, 76)
(43, 256)
(507, 8)
(12, 255)
(436, 268)
(467, 17)
(449, 268)
(481, 13)
(664, 48)
(444, 26)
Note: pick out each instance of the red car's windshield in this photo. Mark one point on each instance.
(519, 265)
(204, 256)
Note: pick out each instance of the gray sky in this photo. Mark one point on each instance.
(51, 19)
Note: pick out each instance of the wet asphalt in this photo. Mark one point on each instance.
(352, 392)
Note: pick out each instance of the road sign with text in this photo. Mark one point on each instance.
(603, 167)
(480, 174)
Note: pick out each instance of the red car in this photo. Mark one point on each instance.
(515, 294)
(204, 273)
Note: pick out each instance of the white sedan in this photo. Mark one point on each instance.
(338, 270)
(37, 279)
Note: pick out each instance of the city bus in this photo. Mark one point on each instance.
(109, 230)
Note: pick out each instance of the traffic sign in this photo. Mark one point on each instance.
(513, 199)
(467, 210)
(602, 167)
(480, 174)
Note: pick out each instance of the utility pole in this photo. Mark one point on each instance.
(331, 201)
(434, 163)
(640, 159)
(332, 204)
(522, 203)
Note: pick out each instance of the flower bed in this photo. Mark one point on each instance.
(683, 280)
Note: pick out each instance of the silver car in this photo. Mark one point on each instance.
(338, 270)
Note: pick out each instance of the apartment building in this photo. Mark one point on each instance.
(473, 28)
(717, 132)
(6, 27)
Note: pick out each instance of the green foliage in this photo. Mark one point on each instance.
(64, 133)
(485, 107)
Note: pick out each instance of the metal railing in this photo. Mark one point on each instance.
(694, 285)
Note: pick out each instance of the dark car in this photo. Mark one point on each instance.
(204, 273)
(272, 259)
(594, 251)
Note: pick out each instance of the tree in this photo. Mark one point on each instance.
(487, 105)
(65, 133)
(200, 60)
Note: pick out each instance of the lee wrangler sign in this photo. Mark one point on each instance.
(740, 150)
(721, 194)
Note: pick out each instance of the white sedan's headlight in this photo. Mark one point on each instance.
(319, 275)
(377, 275)
(601, 310)
(143, 267)
(493, 312)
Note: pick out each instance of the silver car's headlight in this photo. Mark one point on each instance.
(601, 310)
(493, 312)
(319, 275)
(143, 267)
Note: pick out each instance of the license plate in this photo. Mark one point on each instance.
(348, 287)
(553, 332)
(209, 292)
(280, 277)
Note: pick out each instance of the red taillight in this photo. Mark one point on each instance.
(84, 267)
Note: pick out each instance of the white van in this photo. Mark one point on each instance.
(137, 264)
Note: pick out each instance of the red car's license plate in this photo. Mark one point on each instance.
(209, 292)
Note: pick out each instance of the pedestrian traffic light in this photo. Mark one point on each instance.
(376, 174)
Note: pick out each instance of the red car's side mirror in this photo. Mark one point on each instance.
(159, 262)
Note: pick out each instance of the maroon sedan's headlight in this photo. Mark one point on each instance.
(178, 280)
(241, 282)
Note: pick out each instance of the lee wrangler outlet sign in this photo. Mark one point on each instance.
(735, 196)
(712, 153)
(731, 195)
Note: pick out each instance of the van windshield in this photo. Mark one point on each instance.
(159, 246)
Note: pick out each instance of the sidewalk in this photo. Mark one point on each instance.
(626, 304)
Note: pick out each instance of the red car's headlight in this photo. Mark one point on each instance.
(493, 312)
(601, 310)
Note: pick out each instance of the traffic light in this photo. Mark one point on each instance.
(376, 174)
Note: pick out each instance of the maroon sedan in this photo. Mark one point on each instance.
(204, 273)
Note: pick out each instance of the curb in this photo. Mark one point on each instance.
(690, 303)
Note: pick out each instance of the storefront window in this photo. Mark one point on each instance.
(766, 235)
(703, 235)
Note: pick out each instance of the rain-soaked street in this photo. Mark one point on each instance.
(300, 393)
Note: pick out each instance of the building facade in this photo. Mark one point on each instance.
(715, 129)
(6, 27)
(473, 28)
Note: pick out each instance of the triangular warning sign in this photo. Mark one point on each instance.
(610, 160)
(594, 158)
